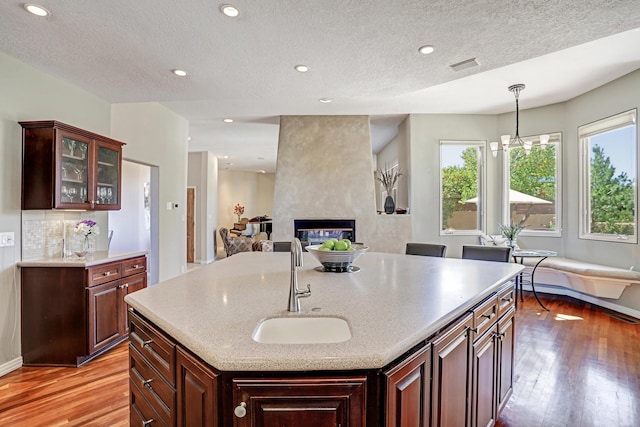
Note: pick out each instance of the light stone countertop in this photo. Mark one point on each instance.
(391, 304)
(99, 257)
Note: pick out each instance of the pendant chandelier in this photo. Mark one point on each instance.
(516, 141)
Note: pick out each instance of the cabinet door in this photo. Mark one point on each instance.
(107, 174)
(130, 284)
(197, 392)
(506, 347)
(452, 375)
(483, 403)
(104, 314)
(317, 402)
(72, 171)
(409, 391)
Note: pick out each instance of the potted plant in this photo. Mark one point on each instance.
(389, 178)
(510, 232)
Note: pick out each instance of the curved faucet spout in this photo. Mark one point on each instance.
(294, 292)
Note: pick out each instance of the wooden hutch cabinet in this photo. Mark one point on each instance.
(64, 167)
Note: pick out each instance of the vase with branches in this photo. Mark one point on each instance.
(511, 231)
(388, 178)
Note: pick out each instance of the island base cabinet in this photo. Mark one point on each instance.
(483, 408)
(197, 392)
(506, 348)
(317, 402)
(451, 373)
(409, 391)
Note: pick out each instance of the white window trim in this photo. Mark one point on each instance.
(600, 126)
(482, 146)
(555, 137)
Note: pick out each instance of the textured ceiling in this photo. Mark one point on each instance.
(362, 54)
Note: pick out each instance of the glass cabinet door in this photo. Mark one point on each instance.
(108, 174)
(74, 171)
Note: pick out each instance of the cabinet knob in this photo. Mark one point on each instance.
(136, 266)
(240, 410)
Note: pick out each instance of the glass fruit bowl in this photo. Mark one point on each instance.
(337, 261)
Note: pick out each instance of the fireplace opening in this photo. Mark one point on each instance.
(316, 231)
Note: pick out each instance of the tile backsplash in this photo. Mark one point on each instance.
(43, 231)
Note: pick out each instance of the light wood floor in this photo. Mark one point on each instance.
(576, 366)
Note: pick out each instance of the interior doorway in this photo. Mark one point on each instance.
(191, 224)
(135, 226)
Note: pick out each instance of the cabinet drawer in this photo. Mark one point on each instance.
(485, 315)
(134, 266)
(157, 349)
(152, 385)
(141, 413)
(104, 273)
(506, 298)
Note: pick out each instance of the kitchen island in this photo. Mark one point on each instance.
(193, 335)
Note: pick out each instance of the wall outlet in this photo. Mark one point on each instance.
(7, 239)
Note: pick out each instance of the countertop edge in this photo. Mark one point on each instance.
(100, 257)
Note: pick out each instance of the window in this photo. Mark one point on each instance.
(608, 177)
(532, 187)
(462, 187)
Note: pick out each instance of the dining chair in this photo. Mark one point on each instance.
(486, 253)
(426, 249)
(234, 245)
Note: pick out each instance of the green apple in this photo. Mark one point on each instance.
(348, 242)
(340, 246)
(324, 248)
(328, 244)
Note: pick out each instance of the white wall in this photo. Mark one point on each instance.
(156, 136)
(28, 94)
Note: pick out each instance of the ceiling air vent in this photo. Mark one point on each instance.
(467, 63)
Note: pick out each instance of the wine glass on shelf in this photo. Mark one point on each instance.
(83, 194)
(72, 193)
(72, 147)
(109, 195)
(64, 191)
(83, 151)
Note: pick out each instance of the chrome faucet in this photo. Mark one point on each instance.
(296, 261)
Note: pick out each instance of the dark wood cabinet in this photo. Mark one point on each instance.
(64, 167)
(483, 383)
(408, 391)
(505, 357)
(451, 374)
(316, 401)
(72, 314)
(197, 392)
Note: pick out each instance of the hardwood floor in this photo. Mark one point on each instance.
(575, 366)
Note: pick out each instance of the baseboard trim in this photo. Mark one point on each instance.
(559, 290)
(10, 366)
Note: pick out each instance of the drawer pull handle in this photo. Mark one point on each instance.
(147, 383)
(509, 299)
(489, 316)
(501, 335)
(126, 285)
(473, 330)
(147, 343)
(106, 273)
(147, 422)
(240, 410)
(136, 266)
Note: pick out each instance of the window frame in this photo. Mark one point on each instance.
(556, 138)
(482, 161)
(584, 132)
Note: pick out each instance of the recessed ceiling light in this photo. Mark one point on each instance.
(325, 100)
(36, 10)
(229, 10)
(188, 138)
(426, 49)
(228, 120)
(301, 68)
(179, 73)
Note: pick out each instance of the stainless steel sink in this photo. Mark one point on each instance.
(302, 330)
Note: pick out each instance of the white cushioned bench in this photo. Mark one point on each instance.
(594, 279)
